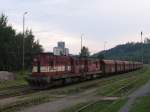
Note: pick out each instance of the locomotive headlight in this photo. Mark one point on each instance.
(34, 69)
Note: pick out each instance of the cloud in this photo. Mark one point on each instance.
(114, 21)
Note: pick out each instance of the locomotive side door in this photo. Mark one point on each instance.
(86, 65)
(72, 65)
(38, 66)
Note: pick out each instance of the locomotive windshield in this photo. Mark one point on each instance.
(36, 65)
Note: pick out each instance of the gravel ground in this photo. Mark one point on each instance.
(56, 106)
(144, 90)
(68, 101)
(8, 100)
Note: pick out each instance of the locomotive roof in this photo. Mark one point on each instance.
(46, 53)
(109, 61)
(119, 61)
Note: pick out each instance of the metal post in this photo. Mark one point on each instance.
(105, 48)
(81, 43)
(142, 47)
(23, 40)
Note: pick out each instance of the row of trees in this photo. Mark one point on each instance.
(84, 52)
(129, 51)
(11, 47)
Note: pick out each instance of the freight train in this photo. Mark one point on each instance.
(49, 70)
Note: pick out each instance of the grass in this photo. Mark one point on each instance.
(14, 87)
(75, 107)
(118, 85)
(100, 106)
(124, 86)
(121, 85)
(142, 105)
(22, 104)
(27, 102)
(19, 81)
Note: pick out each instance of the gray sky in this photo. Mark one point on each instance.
(114, 21)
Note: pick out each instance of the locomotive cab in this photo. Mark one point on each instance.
(40, 67)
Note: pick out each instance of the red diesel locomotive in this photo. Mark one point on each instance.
(49, 70)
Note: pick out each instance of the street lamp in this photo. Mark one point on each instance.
(141, 46)
(105, 45)
(81, 43)
(23, 39)
(105, 42)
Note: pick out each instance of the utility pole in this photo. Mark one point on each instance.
(141, 46)
(23, 40)
(105, 42)
(81, 43)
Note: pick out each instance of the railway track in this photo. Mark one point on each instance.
(16, 91)
(82, 108)
(26, 90)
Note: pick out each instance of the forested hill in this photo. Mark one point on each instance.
(129, 51)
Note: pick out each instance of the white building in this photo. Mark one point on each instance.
(66, 51)
(60, 49)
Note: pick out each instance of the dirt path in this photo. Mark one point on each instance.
(68, 101)
(144, 90)
(60, 104)
(8, 100)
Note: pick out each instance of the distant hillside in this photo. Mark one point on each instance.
(128, 51)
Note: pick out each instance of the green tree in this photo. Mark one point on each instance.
(7, 35)
(11, 47)
(85, 52)
(100, 56)
(129, 51)
(147, 40)
(32, 48)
